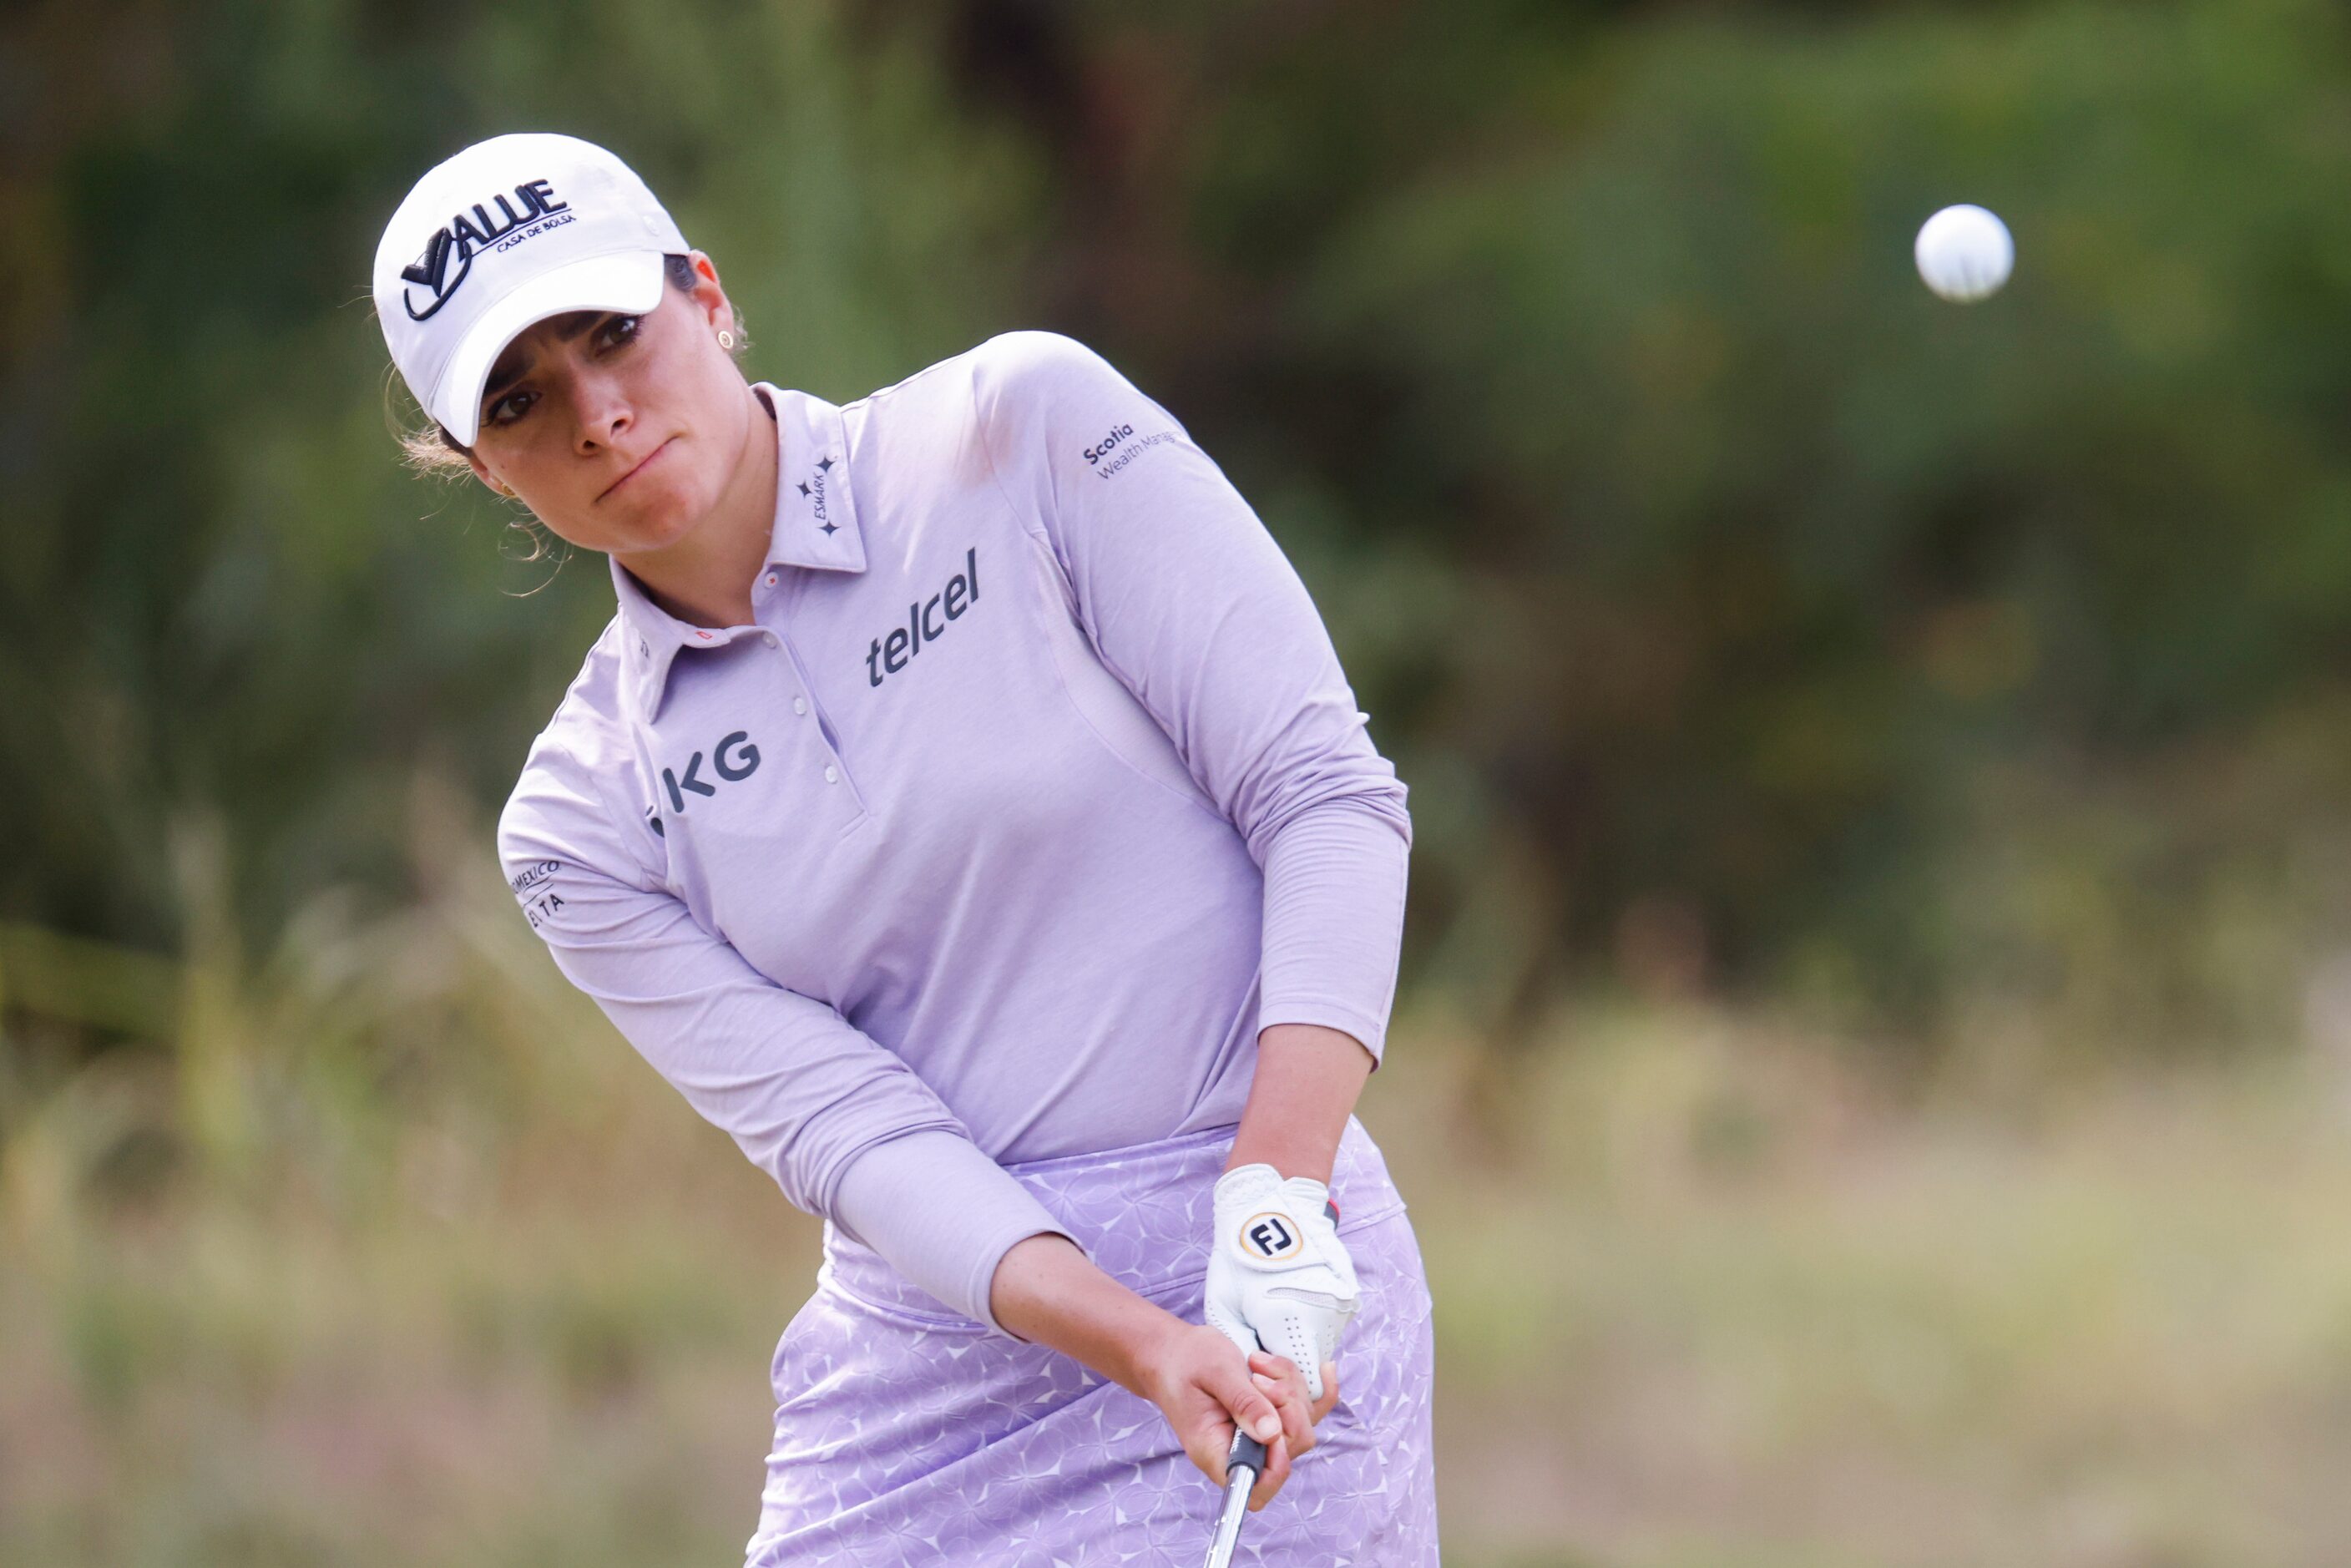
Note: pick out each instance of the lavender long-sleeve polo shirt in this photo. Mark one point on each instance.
(1031, 794)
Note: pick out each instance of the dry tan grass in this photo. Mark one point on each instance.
(393, 1252)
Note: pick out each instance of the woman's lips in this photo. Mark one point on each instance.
(642, 464)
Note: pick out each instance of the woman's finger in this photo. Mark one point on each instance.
(1316, 1410)
(1247, 1405)
(1288, 1396)
(1277, 1470)
(1330, 1391)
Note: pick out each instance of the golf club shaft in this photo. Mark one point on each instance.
(1242, 1466)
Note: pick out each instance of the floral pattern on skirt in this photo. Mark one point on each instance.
(909, 1434)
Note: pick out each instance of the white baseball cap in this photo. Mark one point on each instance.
(509, 232)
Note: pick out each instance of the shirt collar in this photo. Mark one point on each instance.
(816, 525)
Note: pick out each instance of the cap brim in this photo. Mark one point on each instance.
(631, 281)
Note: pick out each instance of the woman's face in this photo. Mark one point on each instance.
(619, 432)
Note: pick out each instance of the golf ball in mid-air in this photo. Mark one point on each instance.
(1964, 253)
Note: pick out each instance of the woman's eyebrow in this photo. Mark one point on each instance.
(507, 372)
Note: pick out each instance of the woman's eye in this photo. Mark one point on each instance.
(622, 330)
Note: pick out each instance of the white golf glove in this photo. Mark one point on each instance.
(1278, 1275)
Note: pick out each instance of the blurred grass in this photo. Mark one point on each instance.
(1727, 1299)
(393, 1252)
(388, 1252)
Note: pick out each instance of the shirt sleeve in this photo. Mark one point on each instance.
(1190, 602)
(843, 1124)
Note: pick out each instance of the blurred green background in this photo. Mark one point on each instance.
(1873, 1064)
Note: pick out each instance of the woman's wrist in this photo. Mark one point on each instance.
(1048, 1292)
(1307, 1081)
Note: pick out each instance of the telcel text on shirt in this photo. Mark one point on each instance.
(1034, 792)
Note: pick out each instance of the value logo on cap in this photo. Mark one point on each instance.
(456, 242)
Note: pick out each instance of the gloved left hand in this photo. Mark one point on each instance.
(1278, 1274)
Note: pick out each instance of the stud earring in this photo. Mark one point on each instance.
(725, 338)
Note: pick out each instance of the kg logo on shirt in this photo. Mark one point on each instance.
(734, 760)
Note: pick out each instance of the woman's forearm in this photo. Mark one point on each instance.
(1307, 1080)
(1050, 1293)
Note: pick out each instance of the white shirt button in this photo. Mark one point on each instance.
(799, 705)
(770, 639)
(832, 775)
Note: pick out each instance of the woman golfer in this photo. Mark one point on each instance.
(965, 810)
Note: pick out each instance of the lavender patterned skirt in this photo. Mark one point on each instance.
(908, 1434)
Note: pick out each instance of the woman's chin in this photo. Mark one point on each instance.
(656, 523)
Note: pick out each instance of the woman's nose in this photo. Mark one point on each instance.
(603, 412)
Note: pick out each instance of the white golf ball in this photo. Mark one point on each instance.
(1964, 253)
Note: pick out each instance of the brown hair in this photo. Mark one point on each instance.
(432, 451)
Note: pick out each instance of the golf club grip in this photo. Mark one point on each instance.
(1246, 1450)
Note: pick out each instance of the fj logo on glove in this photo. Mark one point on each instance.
(1270, 1237)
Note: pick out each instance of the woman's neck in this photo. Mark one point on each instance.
(704, 580)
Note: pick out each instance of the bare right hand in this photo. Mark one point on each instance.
(1204, 1385)
(1047, 1291)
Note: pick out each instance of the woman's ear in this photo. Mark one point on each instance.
(709, 295)
(482, 471)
